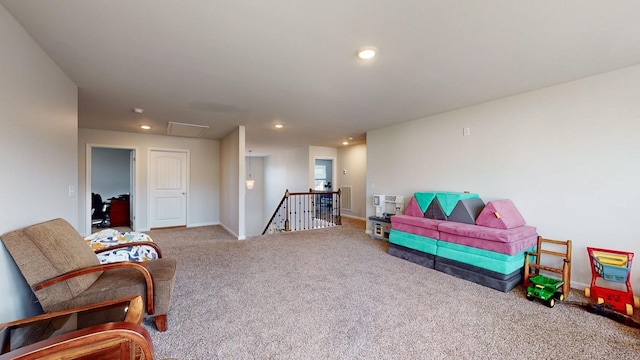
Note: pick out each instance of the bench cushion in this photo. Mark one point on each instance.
(412, 241)
(418, 226)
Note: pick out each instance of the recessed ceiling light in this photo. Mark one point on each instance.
(146, 127)
(345, 143)
(366, 53)
(279, 126)
(138, 110)
(350, 138)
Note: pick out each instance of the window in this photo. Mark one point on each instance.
(320, 177)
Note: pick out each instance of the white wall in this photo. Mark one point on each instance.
(110, 172)
(232, 149)
(254, 218)
(567, 156)
(353, 159)
(203, 200)
(282, 171)
(38, 134)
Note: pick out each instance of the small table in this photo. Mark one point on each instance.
(42, 331)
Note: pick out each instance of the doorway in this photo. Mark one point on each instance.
(323, 178)
(111, 181)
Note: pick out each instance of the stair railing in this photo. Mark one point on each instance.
(304, 211)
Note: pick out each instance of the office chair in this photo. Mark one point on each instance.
(99, 211)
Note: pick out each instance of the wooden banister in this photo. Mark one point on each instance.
(305, 210)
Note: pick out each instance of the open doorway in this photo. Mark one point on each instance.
(323, 179)
(111, 180)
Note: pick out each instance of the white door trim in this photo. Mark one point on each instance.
(136, 188)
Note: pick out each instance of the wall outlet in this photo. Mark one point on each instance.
(466, 131)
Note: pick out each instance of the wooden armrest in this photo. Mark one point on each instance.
(119, 340)
(140, 266)
(135, 243)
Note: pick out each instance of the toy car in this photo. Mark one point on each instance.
(545, 289)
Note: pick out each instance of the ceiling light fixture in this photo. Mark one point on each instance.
(250, 182)
(146, 127)
(138, 110)
(345, 143)
(278, 126)
(366, 53)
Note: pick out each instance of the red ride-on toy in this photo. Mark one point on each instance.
(614, 266)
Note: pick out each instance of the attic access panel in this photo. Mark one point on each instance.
(187, 130)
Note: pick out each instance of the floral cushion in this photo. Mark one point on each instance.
(109, 237)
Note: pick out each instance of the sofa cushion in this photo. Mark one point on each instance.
(421, 222)
(53, 248)
(421, 243)
(435, 211)
(480, 232)
(424, 199)
(448, 199)
(508, 248)
(130, 283)
(413, 209)
(500, 214)
(486, 259)
(466, 211)
(418, 226)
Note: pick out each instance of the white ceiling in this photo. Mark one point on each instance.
(259, 62)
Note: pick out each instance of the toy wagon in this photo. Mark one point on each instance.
(614, 266)
(545, 289)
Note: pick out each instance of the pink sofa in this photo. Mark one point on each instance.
(490, 251)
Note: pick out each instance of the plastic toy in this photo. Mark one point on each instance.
(533, 263)
(545, 289)
(613, 266)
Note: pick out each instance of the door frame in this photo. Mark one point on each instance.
(187, 182)
(133, 199)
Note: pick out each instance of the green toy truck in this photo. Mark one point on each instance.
(545, 289)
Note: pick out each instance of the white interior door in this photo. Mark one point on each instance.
(168, 181)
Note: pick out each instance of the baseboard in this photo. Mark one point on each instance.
(203, 224)
(231, 232)
(188, 226)
(353, 217)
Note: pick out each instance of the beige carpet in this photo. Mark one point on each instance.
(336, 294)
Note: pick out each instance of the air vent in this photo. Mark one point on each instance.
(345, 197)
(187, 130)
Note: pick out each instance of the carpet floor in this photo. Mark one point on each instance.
(335, 293)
